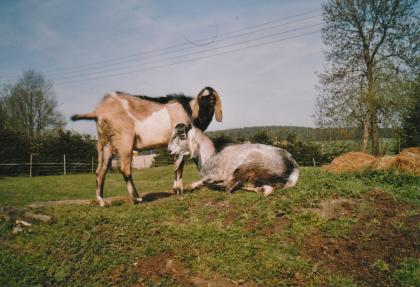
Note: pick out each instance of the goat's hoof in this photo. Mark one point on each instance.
(101, 202)
(267, 190)
(178, 191)
(137, 200)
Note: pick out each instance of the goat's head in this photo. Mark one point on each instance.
(206, 104)
(178, 145)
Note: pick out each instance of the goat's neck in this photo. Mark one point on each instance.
(206, 148)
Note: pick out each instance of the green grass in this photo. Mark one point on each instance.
(237, 237)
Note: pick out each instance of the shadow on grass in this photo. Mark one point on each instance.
(156, 195)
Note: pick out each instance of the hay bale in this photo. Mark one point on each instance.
(413, 151)
(350, 162)
(407, 161)
(412, 154)
(396, 162)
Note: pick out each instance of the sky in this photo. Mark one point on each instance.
(260, 56)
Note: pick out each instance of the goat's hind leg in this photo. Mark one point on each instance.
(104, 158)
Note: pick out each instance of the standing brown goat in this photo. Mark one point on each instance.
(125, 122)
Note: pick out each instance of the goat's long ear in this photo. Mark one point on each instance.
(218, 107)
(194, 108)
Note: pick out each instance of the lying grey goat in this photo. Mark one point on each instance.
(254, 167)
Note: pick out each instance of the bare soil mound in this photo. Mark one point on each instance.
(166, 265)
(376, 237)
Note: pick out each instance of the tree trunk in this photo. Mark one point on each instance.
(372, 108)
(365, 138)
(374, 130)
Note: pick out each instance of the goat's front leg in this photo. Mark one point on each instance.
(195, 185)
(231, 186)
(179, 168)
(265, 190)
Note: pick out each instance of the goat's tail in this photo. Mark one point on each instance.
(294, 175)
(88, 116)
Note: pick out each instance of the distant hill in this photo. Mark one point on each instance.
(302, 133)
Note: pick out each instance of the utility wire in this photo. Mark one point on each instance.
(190, 60)
(132, 60)
(118, 59)
(202, 51)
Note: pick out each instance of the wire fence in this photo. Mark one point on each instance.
(64, 167)
(45, 168)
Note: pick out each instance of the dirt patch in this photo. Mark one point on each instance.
(375, 236)
(117, 276)
(277, 226)
(109, 201)
(60, 202)
(216, 207)
(164, 265)
(230, 216)
(333, 208)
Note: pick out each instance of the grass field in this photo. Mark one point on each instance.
(330, 230)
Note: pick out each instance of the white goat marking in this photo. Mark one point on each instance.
(205, 93)
(146, 128)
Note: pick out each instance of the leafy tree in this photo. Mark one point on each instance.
(50, 147)
(30, 105)
(221, 141)
(261, 137)
(411, 121)
(13, 147)
(340, 104)
(370, 43)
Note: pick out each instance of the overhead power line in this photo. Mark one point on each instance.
(181, 46)
(186, 48)
(191, 59)
(200, 51)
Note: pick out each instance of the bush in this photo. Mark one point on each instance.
(303, 152)
(48, 148)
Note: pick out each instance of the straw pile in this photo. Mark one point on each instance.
(349, 162)
(412, 154)
(407, 161)
(396, 162)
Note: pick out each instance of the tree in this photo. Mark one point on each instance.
(411, 121)
(221, 141)
(340, 105)
(261, 137)
(369, 42)
(30, 106)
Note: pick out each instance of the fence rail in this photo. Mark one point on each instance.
(64, 168)
(34, 168)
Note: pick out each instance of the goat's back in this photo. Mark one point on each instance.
(251, 163)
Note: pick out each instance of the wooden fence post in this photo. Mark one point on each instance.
(30, 166)
(64, 165)
(92, 164)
